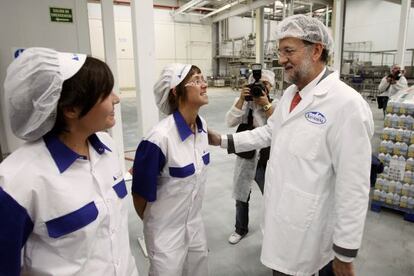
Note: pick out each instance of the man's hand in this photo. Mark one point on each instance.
(214, 137)
(342, 269)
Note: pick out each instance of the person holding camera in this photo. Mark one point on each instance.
(255, 106)
(391, 84)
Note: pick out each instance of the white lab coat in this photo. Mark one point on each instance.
(77, 208)
(245, 169)
(317, 179)
(390, 90)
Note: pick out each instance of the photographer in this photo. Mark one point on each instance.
(391, 84)
(260, 107)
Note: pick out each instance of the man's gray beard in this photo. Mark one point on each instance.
(304, 70)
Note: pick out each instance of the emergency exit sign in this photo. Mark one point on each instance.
(61, 15)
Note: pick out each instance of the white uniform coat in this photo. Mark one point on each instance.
(317, 179)
(170, 172)
(62, 214)
(245, 169)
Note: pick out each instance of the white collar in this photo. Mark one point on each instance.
(312, 84)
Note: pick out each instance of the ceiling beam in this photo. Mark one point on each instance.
(219, 10)
(187, 6)
(240, 9)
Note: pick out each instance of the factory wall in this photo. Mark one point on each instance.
(174, 42)
(377, 22)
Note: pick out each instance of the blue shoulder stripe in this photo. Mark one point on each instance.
(148, 163)
(15, 229)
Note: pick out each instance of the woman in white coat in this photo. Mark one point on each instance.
(248, 170)
(169, 174)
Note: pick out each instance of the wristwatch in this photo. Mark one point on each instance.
(267, 107)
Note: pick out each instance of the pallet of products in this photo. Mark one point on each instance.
(394, 188)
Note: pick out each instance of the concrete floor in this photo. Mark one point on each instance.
(388, 243)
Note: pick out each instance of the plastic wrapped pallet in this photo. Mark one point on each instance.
(394, 188)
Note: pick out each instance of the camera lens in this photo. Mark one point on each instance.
(256, 91)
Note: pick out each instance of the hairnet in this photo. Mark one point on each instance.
(171, 76)
(267, 75)
(305, 28)
(33, 87)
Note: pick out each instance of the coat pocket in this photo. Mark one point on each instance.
(296, 208)
(206, 158)
(306, 141)
(73, 221)
(182, 172)
(120, 189)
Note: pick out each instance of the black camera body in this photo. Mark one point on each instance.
(257, 88)
(396, 76)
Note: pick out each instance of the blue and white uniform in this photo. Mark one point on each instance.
(170, 173)
(62, 214)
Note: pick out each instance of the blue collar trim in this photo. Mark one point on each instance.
(183, 129)
(63, 156)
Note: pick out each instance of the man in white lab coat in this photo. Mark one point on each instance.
(391, 84)
(317, 179)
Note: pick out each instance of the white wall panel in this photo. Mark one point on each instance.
(376, 21)
(182, 37)
(164, 40)
(174, 42)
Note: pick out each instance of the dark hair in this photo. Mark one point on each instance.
(325, 52)
(181, 89)
(91, 84)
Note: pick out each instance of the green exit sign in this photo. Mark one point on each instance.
(60, 15)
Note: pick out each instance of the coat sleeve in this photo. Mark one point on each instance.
(148, 162)
(401, 84)
(257, 138)
(234, 116)
(16, 226)
(350, 147)
(383, 85)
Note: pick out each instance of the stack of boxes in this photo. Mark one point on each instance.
(394, 188)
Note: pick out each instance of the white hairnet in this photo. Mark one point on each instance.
(171, 76)
(32, 89)
(305, 28)
(267, 75)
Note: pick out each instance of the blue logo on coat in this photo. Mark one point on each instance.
(315, 117)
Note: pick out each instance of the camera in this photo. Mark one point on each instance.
(257, 88)
(396, 76)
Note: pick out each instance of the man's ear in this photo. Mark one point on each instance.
(317, 51)
(174, 92)
(71, 112)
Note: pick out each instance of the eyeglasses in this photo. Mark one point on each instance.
(197, 82)
(287, 52)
